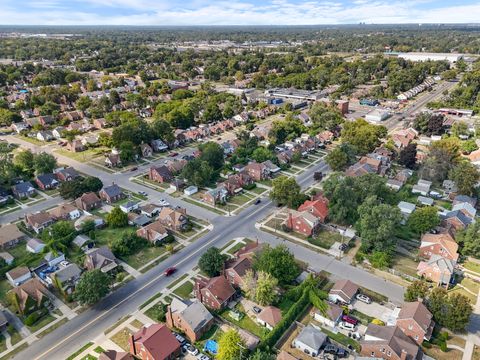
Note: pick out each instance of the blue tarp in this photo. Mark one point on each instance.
(211, 346)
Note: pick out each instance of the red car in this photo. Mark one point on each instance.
(173, 154)
(170, 271)
(350, 319)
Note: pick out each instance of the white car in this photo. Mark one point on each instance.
(363, 298)
(202, 357)
(164, 203)
(347, 326)
(192, 350)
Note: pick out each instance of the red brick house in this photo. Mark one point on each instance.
(154, 232)
(175, 166)
(437, 269)
(111, 194)
(155, 342)
(160, 174)
(439, 244)
(257, 171)
(191, 317)
(302, 222)
(318, 207)
(235, 270)
(75, 146)
(416, 321)
(174, 219)
(88, 201)
(215, 293)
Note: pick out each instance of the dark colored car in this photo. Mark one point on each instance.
(330, 349)
(257, 310)
(343, 247)
(134, 168)
(170, 271)
(258, 201)
(342, 353)
(173, 154)
(350, 319)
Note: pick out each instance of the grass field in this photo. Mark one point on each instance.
(245, 322)
(184, 290)
(472, 266)
(121, 338)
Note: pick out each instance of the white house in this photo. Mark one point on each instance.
(45, 136)
(269, 317)
(7, 257)
(406, 208)
(332, 316)
(129, 206)
(35, 246)
(190, 190)
(18, 275)
(310, 340)
(343, 291)
(54, 259)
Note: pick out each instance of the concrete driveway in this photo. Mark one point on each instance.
(381, 312)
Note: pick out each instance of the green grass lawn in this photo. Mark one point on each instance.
(472, 266)
(83, 156)
(235, 248)
(239, 199)
(257, 190)
(459, 290)
(79, 351)
(121, 338)
(471, 285)
(245, 322)
(106, 235)
(325, 239)
(185, 290)
(145, 255)
(47, 319)
(404, 264)
(4, 288)
(25, 258)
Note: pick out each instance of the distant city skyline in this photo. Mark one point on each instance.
(235, 12)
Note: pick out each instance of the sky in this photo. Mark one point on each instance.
(235, 12)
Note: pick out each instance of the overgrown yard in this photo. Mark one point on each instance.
(145, 255)
(325, 239)
(121, 338)
(245, 322)
(404, 264)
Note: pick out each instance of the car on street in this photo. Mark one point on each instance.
(170, 271)
(142, 193)
(258, 201)
(257, 310)
(164, 203)
(363, 298)
(343, 247)
(192, 350)
(134, 168)
(347, 326)
(350, 319)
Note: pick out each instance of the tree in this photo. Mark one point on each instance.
(249, 284)
(424, 219)
(278, 262)
(212, 262)
(44, 163)
(466, 176)
(444, 155)
(438, 304)
(363, 135)
(199, 173)
(127, 151)
(92, 286)
(287, 129)
(230, 346)
(286, 191)
(262, 355)
(325, 117)
(376, 224)
(416, 290)
(262, 154)
(83, 103)
(468, 146)
(75, 188)
(469, 240)
(163, 130)
(212, 153)
(408, 156)
(7, 117)
(341, 157)
(128, 244)
(380, 259)
(460, 128)
(92, 183)
(265, 288)
(212, 113)
(459, 311)
(24, 160)
(59, 236)
(117, 218)
(429, 124)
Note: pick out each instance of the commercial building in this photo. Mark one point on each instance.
(421, 56)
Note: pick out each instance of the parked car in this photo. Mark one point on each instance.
(202, 357)
(180, 339)
(164, 203)
(343, 247)
(258, 201)
(173, 154)
(363, 298)
(330, 349)
(170, 271)
(257, 310)
(342, 353)
(192, 350)
(350, 319)
(134, 168)
(347, 326)
(142, 193)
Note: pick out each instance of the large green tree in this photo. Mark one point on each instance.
(363, 135)
(424, 219)
(277, 261)
(265, 291)
(341, 157)
(92, 286)
(466, 176)
(117, 218)
(44, 163)
(212, 153)
(416, 290)
(469, 240)
(231, 346)
(212, 262)
(286, 191)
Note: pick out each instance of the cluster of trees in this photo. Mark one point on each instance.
(450, 310)
(286, 191)
(341, 157)
(469, 240)
(260, 287)
(364, 136)
(205, 169)
(286, 129)
(429, 124)
(212, 262)
(325, 117)
(59, 237)
(28, 164)
(127, 244)
(92, 286)
(75, 188)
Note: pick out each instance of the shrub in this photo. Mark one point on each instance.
(31, 319)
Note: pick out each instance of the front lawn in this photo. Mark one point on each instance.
(472, 266)
(121, 338)
(325, 239)
(184, 290)
(145, 255)
(44, 320)
(106, 235)
(404, 264)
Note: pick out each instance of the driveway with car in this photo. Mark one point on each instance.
(375, 310)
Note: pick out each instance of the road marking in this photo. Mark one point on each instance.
(124, 300)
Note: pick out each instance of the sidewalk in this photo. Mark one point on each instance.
(473, 330)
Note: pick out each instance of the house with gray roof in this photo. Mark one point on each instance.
(66, 278)
(23, 190)
(310, 340)
(111, 194)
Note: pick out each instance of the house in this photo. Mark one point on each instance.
(394, 184)
(424, 200)
(113, 159)
(175, 166)
(10, 236)
(437, 269)
(236, 269)
(45, 135)
(139, 220)
(129, 206)
(54, 259)
(422, 187)
(18, 275)
(66, 278)
(190, 190)
(111, 194)
(310, 340)
(115, 355)
(332, 316)
(449, 186)
(160, 174)
(174, 219)
(302, 222)
(459, 199)
(154, 232)
(364, 166)
(257, 172)
(65, 212)
(30, 296)
(20, 126)
(46, 181)
(389, 342)
(146, 150)
(271, 167)
(466, 208)
(154, 342)
(249, 250)
(100, 258)
(75, 146)
(269, 317)
(150, 210)
(406, 208)
(88, 201)
(442, 244)
(343, 291)
(99, 123)
(416, 321)
(35, 246)
(81, 240)
(317, 207)
(23, 190)
(7, 257)
(190, 317)
(5, 197)
(67, 174)
(215, 293)
(158, 145)
(39, 221)
(456, 220)
(215, 196)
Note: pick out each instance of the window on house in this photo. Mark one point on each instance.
(410, 327)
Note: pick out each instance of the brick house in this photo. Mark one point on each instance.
(389, 342)
(302, 222)
(88, 201)
(75, 146)
(23, 190)
(39, 221)
(146, 150)
(30, 296)
(113, 159)
(191, 317)
(215, 196)
(155, 342)
(318, 207)
(175, 166)
(111, 194)
(416, 321)
(235, 270)
(154, 232)
(257, 171)
(174, 219)
(215, 293)
(437, 269)
(439, 244)
(65, 212)
(160, 174)
(46, 181)
(100, 258)
(67, 174)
